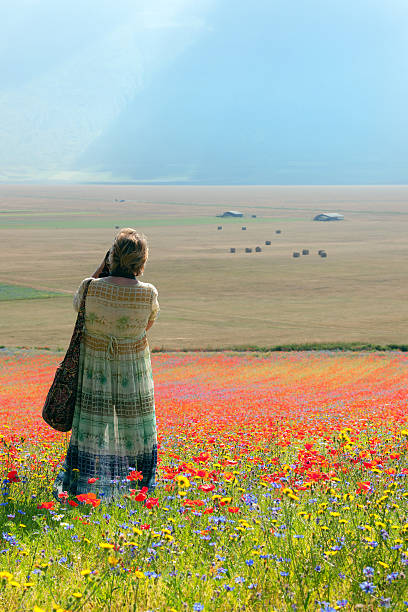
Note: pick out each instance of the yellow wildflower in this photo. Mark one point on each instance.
(113, 561)
(139, 574)
(182, 481)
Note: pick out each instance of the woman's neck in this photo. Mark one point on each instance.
(122, 273)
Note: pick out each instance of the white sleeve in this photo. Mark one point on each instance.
(155, 305)
(79, 293)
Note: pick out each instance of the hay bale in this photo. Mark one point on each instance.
(296, 254)
(268, 242)
(243, 227)
(247, 250)
(232, 250)
(305, 252)
(253, 216)
(258, 249)
(278, 232)
(323, 254)
(219, 227)
(116, 226)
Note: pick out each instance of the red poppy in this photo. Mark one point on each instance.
(92, 480)
(206, 487)
(13, 477)
(134, 475)
(46, 505)
(152, 501)
(89, 498)
(363, 487)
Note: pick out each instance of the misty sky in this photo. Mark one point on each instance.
(204, 91)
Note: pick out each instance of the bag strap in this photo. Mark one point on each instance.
(82, 306)
(81, 312)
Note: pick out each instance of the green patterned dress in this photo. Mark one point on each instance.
(114, 426)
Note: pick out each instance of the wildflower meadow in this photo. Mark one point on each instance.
(282, 484)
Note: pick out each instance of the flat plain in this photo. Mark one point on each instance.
(52, 237)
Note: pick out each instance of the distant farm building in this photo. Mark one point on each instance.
(231, 213)
(328, 217)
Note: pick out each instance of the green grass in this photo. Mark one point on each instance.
(307, 346)
(15, 292)
(81, 221)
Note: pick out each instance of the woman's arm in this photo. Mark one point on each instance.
(155, 309)
(149, 324)
(103, 267)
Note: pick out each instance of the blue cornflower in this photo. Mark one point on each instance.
(342, 603)
(284, 573)
(368, 571)
(367, 587)
(228, 587)
(63, 560)
(318, 568)
(198, 607)
(239, 579)
(253, 585)
(326, 607)
(393, 576)
(249, 562)
(385, 602)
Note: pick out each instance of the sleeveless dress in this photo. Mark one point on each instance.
(114, 425)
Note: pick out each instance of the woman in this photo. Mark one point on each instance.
(114, 426)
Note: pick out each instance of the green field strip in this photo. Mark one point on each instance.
(99, 222)
(10, 293)
(37, 213)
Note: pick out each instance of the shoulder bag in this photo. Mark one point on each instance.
(59, 407)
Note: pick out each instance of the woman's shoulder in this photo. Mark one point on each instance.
(148, 286)
(84, 282)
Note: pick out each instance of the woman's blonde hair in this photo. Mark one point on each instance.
(129, 252)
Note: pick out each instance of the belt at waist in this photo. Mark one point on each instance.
(114, 346)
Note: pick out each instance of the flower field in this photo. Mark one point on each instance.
(282, 485)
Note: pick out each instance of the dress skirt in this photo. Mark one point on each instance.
(114, 425)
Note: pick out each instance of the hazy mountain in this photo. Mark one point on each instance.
(208, 92)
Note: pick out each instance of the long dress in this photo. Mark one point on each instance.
(114, 425)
